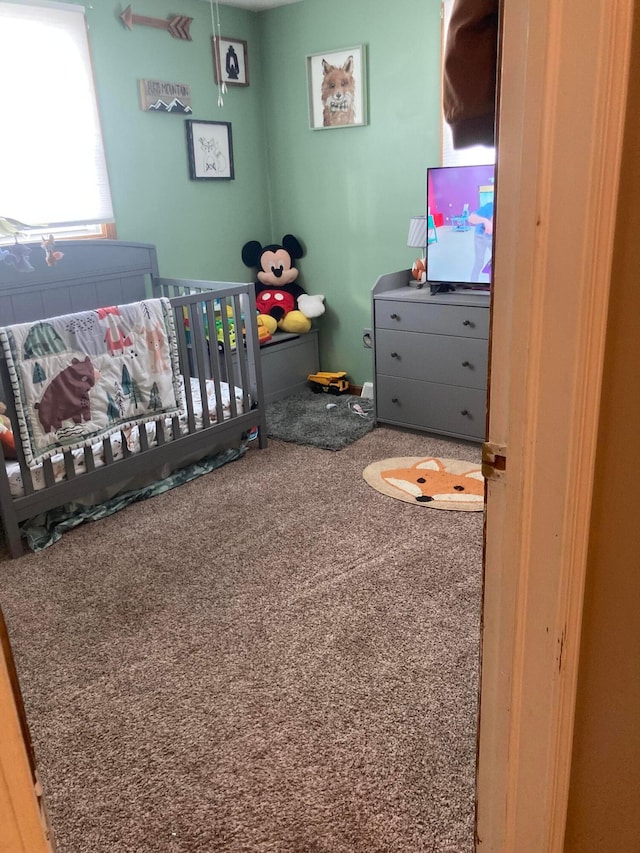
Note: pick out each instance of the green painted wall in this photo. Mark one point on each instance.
(349, 193)
(198, 226)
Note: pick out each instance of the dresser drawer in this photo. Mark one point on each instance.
(431, 406)
(434, 358)
(458, 320)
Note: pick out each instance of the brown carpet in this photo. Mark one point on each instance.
(274, 657)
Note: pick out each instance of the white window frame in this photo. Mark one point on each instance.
(38, 151)
(474, 155)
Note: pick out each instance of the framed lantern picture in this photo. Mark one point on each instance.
(210, 150)
(230, 61)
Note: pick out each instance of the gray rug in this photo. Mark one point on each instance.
(328, 421)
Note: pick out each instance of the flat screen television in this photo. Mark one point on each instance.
(460, 227)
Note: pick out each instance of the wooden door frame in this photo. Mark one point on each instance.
(25, 827)
(563, 83)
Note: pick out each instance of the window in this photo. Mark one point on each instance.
(475, 155)
(53, 170)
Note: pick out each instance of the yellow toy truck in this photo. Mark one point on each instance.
(329, 383)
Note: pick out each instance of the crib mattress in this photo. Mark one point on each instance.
(131, 436)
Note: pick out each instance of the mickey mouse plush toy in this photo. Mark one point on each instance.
(280, 300)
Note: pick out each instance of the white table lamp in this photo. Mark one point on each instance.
(418, 238)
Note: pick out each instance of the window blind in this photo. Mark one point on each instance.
(52, 164)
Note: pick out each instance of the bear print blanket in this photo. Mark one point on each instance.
(78, 378)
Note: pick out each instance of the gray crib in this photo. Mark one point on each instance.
(217, 343)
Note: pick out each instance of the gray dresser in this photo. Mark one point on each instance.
(430, 357)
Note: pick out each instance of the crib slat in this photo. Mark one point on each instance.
(25, 471)
(230, 355)
(107, 451)
(168, 288)
(214, 354)
(183, 316)
(69, 467)
(254, 366)
(175, 427)
(49, 476)
(183, 338)
(214, 360)
(198, 342)
(244, 383)
(160, 436)
(27, 478)
(246, 310)
(142, 437)
(187, 369)
(89, 461)
(13, 538)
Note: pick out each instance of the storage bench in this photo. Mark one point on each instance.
(286, 361)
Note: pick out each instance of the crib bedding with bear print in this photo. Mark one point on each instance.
(127, 439)
(110, 392)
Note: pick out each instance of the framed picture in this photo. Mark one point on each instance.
(157, 96)
(230, 61)
(337, 82)
(210, 150)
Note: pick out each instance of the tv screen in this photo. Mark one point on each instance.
(460, 226)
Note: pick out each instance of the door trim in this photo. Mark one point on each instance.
(23, 819)
(564, 73)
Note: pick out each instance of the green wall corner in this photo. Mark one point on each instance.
(347, 193)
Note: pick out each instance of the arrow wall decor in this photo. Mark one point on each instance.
(177, 26)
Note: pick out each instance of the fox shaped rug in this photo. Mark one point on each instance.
(429, 481)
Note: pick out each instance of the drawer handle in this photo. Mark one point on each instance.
(395, 316)
(394, 400)
(464, 412)
(467, 323)
(466, 364)
(394, 355)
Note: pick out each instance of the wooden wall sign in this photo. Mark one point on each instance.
(157, 96)
(177, 26)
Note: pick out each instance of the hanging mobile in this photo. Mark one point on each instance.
(221, 87)
(224, 85)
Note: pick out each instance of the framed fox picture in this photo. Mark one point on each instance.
(337, 88)
(210, 150)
